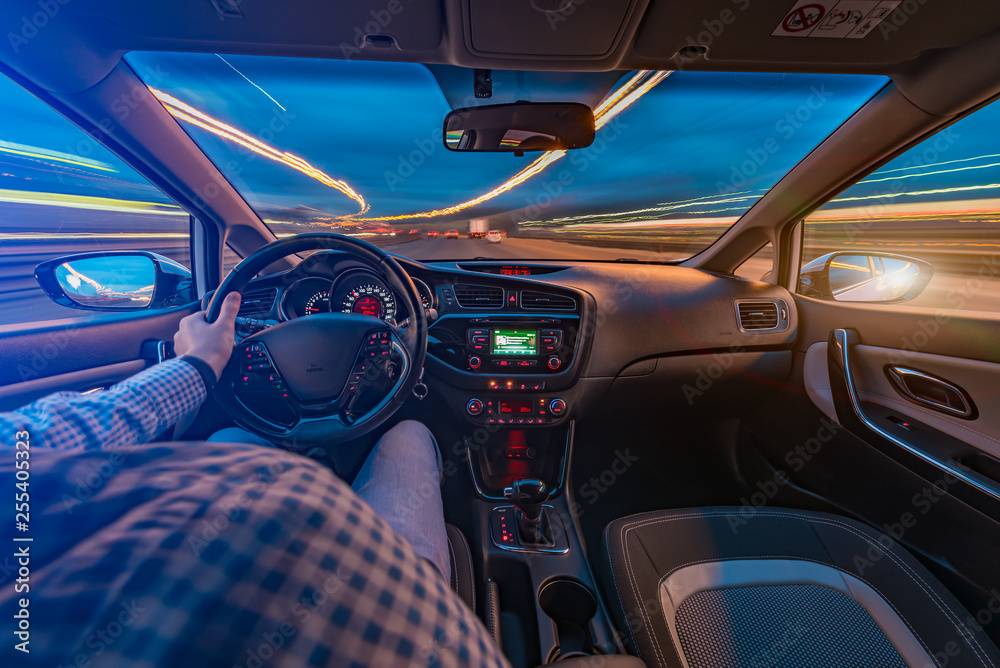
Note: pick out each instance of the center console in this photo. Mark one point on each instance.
(511, 370)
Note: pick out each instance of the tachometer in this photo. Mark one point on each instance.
(370, 298)
(306, 296)
(317, 303)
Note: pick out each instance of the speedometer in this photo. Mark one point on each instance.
(370, 298)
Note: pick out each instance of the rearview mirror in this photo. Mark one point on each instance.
(520, 127)
(867, 278)
(116, 281)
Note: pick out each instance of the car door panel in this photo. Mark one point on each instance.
(980, 379)
(17, 394)
(947, 345)
(80, 354)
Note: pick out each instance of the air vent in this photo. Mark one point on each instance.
(762, 316)
(258, 302)
(478, 296)
(546, 301)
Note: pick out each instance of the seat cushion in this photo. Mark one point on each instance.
(733, 587)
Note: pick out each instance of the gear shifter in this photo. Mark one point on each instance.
(528, 495)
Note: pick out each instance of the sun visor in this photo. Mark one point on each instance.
(556, 28)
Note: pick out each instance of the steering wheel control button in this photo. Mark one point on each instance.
(475, 362)
(554, 363)
(377, 344)
(557, 407)
(475, 407)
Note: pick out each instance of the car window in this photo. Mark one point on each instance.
(313, 144)
(62, 192)
(758, 265)
(938, 202)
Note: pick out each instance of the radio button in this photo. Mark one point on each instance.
(554, 363)
(475, 362)
(472, 335)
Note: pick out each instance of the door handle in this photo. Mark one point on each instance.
(852, 415)
(933, 392)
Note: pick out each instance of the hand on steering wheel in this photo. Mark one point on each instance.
(212, 343)
(299, 382)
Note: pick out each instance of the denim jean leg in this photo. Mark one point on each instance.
(401, 481)
(237, 435)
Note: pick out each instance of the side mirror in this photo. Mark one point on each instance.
(879, 278)
(520, 127)
(116, 281)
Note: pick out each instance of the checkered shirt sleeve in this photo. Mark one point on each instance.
(132, 412)
(226, 555)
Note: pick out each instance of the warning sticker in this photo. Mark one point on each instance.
(843, 19)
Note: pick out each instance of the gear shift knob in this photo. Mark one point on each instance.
(528, 495)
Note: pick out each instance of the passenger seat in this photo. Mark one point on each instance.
(738, 588)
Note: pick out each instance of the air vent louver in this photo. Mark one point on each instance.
(546, 301)
(755, 316)
(258, 302)
(478, 296)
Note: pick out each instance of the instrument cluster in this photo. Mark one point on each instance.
(357, 291)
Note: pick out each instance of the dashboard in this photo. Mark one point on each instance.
(538, 344)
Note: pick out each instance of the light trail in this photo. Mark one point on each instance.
(629, 216)
(45, 154)
(624, 216)
(82, 278)
(251, 82)
(917, 193)
(923, 174)
(187, 113)
(633, 89)
(936, 164)
(90, 203)
(83, 236)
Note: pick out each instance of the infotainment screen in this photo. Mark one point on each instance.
(515, 342)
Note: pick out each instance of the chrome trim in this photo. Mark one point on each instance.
(553, 516)
(164, 351)
(840, 359)
(899, 374)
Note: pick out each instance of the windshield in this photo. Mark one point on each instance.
(355, 147)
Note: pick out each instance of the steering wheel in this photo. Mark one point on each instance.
(329, 377)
